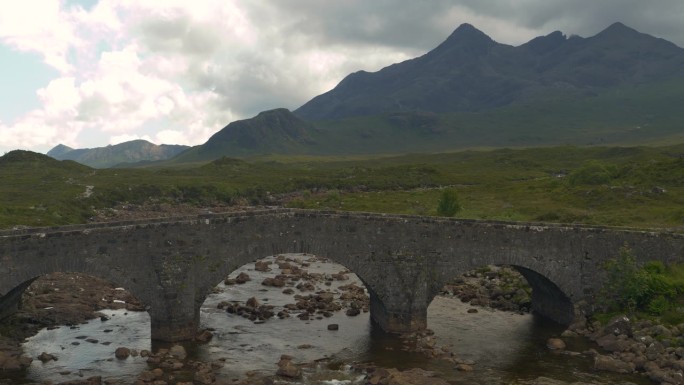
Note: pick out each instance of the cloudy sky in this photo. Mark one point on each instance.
(88, 73)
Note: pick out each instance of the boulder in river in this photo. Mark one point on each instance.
(178, 352)
(261, 266)
(45, 357)
(555, 344)
(286, 368)
(242, 278)
(611, 364)
(122, 353)
(204, 336)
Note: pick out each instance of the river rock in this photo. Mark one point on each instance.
(252, 302)
(96, 380)
(352, 312)
(204, 336)
(122, 353)
(178, 351)
(242, 278)
(555, 344)
(273, 282)
(262, 266)
(414, 376)
(204, 376)
(286, 368)
(617, 344)
(146, 376)
(45, 357)
(333, 327)
(611, 364)
(9, 362)
(619, 325)
(157, 373)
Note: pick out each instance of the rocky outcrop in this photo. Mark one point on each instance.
(636, 346)
(498, 287)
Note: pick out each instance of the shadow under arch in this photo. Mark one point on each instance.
(548, 300)
(75, 296)
(11, 302)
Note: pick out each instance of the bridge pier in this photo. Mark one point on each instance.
(173, 327)
(174, 311)
(400, 322)
(397, 317)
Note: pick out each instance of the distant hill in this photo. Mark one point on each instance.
(29, 159)
(471, 72)
(127, 152)
(276, 131)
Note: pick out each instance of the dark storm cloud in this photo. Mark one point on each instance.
(419, 25)
(661, 18)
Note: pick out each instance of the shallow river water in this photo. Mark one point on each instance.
(506, 347)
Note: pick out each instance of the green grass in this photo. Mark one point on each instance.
(637, 187)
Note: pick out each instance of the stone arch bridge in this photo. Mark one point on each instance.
(172, 264)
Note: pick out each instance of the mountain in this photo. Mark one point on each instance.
(127, 152)
(276, 131)
(617, 87)
(470, 72)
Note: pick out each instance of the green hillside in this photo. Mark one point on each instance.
(621, 186)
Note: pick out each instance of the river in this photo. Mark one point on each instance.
(506, 348)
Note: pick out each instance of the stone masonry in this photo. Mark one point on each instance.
(172, 264)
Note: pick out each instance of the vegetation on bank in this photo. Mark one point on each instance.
(621, 186)
(652, 290)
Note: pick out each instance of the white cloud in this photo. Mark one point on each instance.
(39, 26)
(36, 129)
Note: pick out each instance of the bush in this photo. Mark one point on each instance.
(638, 289)
(448, 204)
(592, 173)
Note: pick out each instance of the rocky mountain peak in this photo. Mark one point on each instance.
(466, 35)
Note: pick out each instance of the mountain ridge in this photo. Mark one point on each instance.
(471, 72)
(272, 131)
(115, 155)
(618, 86)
